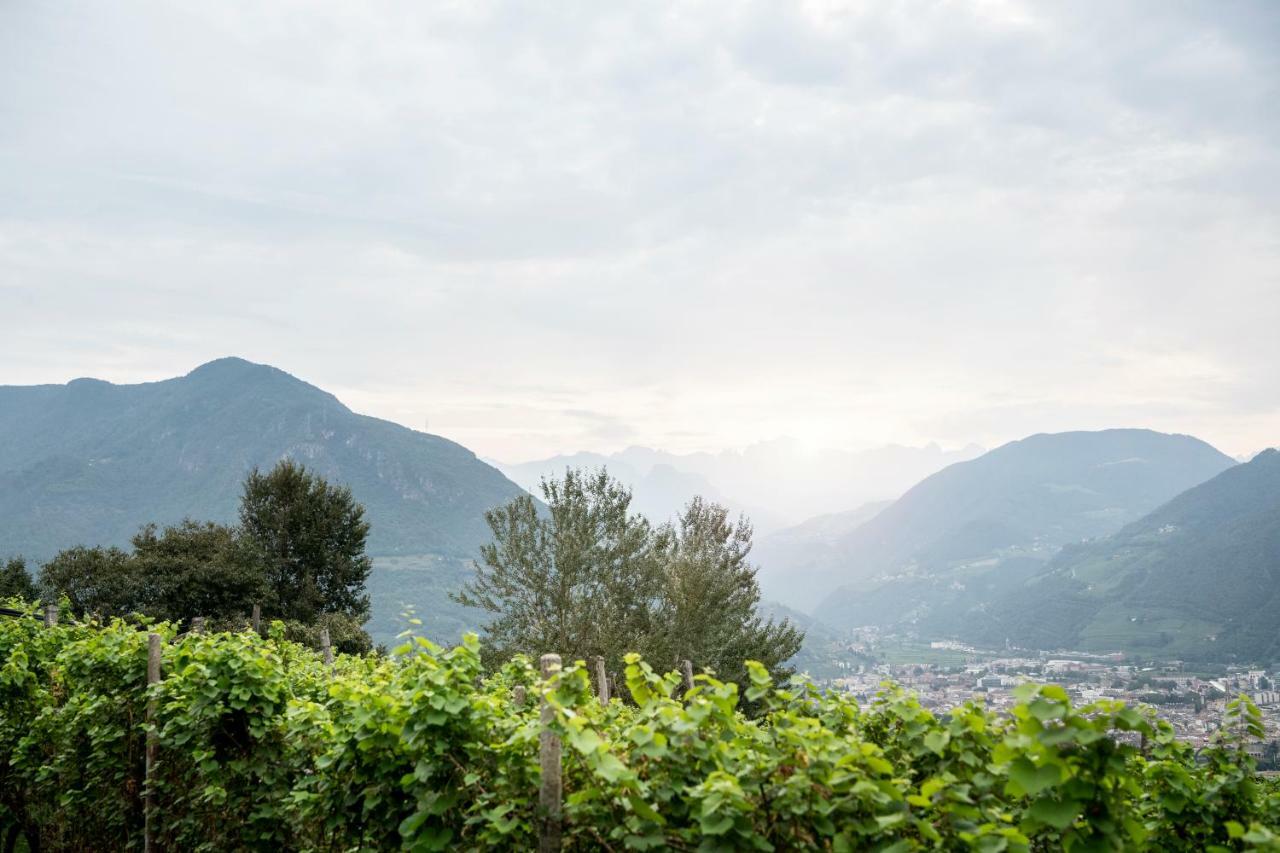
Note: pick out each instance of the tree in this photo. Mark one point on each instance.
(310, 538)
(579, 579)
(588, 577)
(711, 598)
(197, 569)
(99, 581)
(15, 582)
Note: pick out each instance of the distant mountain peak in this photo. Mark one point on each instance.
(232, 366)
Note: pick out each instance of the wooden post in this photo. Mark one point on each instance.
(197, 625)
(517, 695)
(51, 615)
(257, 618)
(687, 668)
(148, 796)
(602, 682)
(325, 648)
(552, 788)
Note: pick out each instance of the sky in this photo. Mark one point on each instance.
(548, 227)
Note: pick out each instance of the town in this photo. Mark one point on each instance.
(1190, 696)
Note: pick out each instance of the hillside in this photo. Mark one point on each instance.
(798, 565)
(88, 462)
(1197, 578)
(975, 528)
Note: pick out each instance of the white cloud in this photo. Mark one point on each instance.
(704, 224)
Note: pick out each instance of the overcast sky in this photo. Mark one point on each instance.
(544, 227)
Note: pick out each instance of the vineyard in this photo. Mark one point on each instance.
(260, 743)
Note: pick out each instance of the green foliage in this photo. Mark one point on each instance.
(263, 747)
(94, 580)
(710, 599)
(310, 538)
(195, 568)
(15, 582)
(592, 578)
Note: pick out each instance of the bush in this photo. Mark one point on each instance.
(261, 746)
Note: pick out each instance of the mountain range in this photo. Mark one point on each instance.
(1199, 577)
(88, 462)
(980, 526)
(1118, 539)
(777, 483)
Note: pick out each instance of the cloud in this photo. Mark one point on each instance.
(706, 223)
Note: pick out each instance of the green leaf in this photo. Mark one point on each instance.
(1056, 813)
(1030, 779)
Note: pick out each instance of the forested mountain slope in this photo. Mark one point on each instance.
(1199, 578)
(89, 461)
(976, 528)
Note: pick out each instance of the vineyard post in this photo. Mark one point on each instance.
(197, 625)
(517, 695)
(326, 648)
(549, 754)
(51, 616)
(687, 668)
(148, 795)
(257, 619)
(602, 681)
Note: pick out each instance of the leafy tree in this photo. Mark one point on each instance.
(711, 596)
(588, 577)
(197, 569)
(310, 537)
(15, 582)
(580, 579)
(100, 581)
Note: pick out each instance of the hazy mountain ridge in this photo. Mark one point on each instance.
(776, 483)
(973, 529)
(800, 564)
(88, 462)
(1197, 577)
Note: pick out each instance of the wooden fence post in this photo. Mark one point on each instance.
(325, 648)
(257, 618)
(687, 668)
(51, 615)
(517, 695)
(602, 682)
(552, 789)
(197, 625)
(149, 797)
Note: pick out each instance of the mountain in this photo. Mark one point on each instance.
(776, 483)
(799, 565)
(89, 461)
(975, 528)
(1199, 577)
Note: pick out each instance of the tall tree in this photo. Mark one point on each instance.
(15, 582)
(100, 581)
(588, 577)
(310, 537)
(197, 569)
(711, 598)
(580, 579)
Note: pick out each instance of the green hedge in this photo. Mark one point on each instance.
(261, 747)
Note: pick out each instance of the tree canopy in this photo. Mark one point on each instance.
(310, 537)
(15, 582)
(298, 552)
(589, 577)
